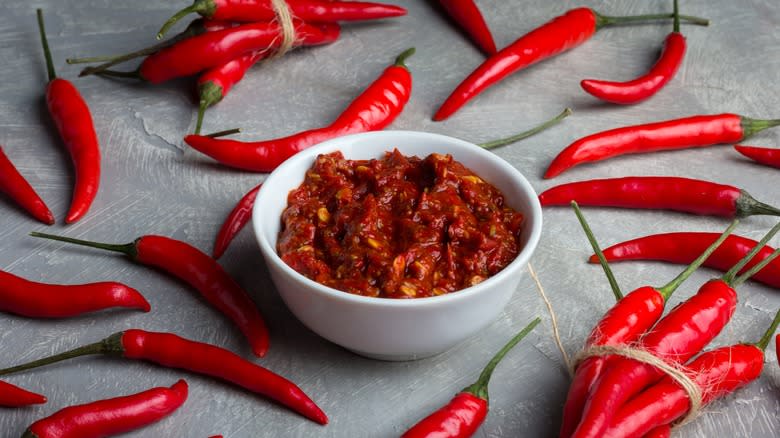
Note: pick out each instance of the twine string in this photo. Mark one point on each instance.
(284, 18)
(676, 372)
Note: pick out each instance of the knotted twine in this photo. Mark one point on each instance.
(676, 372)
(284, 18)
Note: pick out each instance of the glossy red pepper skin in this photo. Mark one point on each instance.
(12, 396)
(766, 156)
(16, 187)
(236, 220)
(470, 19)
(39, 300)
(696, 131)
(717, 372)
(173, 351)
(112, 416)
(200, 271)
(683, 248)
(660, 193)
(461, 417)
(664, 431)
(74, 123)
(680, 335)
(373, 110)
(562, 33)
(647, 85)
(624, 323)
(193, 55)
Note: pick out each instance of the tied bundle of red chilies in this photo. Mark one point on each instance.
(233, 36)
(636, 377)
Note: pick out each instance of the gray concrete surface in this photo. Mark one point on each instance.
(152, 184)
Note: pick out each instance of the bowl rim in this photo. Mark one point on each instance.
(271, 256)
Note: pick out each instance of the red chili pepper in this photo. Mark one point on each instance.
(172, 351)
(13, 184)
(215, 83)
(41, 300)
(717, 372)
(195, 54)
(373, 110)
(623, 324)
(552, 38)
(111, 416)
(200, 271)
(74, 123)
(677, 337)
(12, 396)
(236, 220)
(195, 28)
(467, 15)
(659, 192)
(262, 10)
(696, 131)
(766, 156)
(463, 415)
(682, 248)
(647, 85)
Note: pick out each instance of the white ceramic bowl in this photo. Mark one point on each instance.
(384, 328)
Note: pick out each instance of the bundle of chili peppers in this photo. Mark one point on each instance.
(233, 36)
(618, 392)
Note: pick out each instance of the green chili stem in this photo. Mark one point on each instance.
(127, 249)
(667, 290)
(119, 74)
(223, 133)
(751, 127)
(515, 138)
(600, 254)
(46, 51)
(767, 337)
(752, 271)
(206, 8)
(480, 387)
(109, 345)
(607, 20)
(400, 61)
(729, 276)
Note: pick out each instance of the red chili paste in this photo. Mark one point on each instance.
(397, 227)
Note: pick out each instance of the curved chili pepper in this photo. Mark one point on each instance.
(312, 11)
(236, 220)
(463, 415)
(40, 300)
(195, 54)
(766, 156)
(373, 110)
(717, 372)
(111, 416)
(662, 193)
(676, 338)
(623, 324)
(215, 83)
(195, 28)
(552, 38)
(172, 351)
(469, 18)
(12, 396)
(13, 184)
(74, 123)
(695, 131)
(200, 271)
(647, 85)
(682, 248)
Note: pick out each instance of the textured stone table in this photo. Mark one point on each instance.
(152, 184)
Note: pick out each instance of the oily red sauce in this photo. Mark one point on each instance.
(397, 227)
